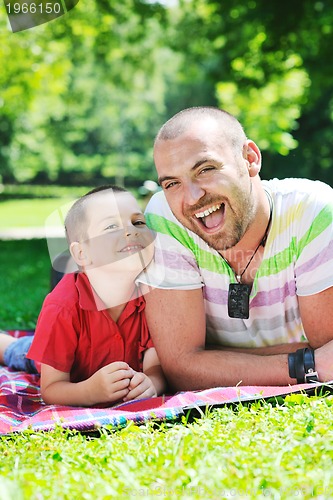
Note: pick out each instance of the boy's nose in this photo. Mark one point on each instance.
(131, 230)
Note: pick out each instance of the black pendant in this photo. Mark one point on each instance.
(238, 300)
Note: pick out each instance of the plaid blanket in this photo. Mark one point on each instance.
(22, 408)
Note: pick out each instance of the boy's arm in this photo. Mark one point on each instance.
(153, 369)
(149, 383)
(107, 385)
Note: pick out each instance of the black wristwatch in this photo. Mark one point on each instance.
(301, 366)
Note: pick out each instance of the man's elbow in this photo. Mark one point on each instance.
(181, 373)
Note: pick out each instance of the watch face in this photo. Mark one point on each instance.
(238, 300)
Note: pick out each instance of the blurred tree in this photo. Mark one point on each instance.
(267, 63)
(83, 96)
(97, 88)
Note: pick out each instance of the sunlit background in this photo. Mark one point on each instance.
(83, 96)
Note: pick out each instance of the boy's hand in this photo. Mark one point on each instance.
(140, 387)
(110, 383)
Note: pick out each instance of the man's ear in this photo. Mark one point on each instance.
(79, 253)
(253, 156)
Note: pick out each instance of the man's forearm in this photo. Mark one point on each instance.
(262, 351)
(203, 369)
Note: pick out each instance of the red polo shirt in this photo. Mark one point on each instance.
(73, 336)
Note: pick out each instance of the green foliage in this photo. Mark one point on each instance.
(83, 96)
(282, 95)
(93, 103)
(268, 64)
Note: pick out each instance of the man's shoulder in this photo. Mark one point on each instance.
(159, 216)
(300, 190)
(296, 185)
(157, 204)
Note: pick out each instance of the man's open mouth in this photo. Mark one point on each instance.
(212, 217)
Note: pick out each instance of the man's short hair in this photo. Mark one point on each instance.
(230, 128)
(75, 221)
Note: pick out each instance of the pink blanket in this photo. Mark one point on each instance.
(21, 406)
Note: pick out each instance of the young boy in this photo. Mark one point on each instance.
(91, 336)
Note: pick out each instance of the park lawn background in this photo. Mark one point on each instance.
(29, 206)
(28, 213)
(25, 265)
(277, 449)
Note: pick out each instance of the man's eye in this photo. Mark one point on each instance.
(206, 169)
(170, 185)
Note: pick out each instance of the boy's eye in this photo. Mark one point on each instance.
(112, 226)
(139, 223)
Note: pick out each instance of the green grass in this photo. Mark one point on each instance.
(28, 213)
(264, 450)
(25, 280)
(30, 206)
(260, 451)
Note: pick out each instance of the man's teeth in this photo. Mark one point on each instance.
(207, 212)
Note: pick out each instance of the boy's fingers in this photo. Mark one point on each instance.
(118, 370)
(121, 385)
(142, 390)
(117, 397)
(116, 365)
(120, 375)
(136, 394)
(138, 378)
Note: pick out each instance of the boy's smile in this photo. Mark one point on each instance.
(117, 234)
(131, 248)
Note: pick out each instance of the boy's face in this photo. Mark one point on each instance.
(117, 235)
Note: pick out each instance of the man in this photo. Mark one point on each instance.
(248, 264)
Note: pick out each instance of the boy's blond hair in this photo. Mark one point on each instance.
(76, 220)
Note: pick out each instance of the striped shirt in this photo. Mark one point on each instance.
(297, 260)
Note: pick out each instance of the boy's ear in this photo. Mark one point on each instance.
(79, 254)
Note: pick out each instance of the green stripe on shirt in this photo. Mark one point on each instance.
(205, 259)
(321, 222)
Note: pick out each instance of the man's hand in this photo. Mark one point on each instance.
(110, 383)
(140, 387)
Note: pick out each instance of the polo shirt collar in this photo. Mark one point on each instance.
(90, 301)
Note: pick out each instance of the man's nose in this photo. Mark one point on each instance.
(192, 193)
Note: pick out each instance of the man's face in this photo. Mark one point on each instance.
(207, 186)
(117, 234)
